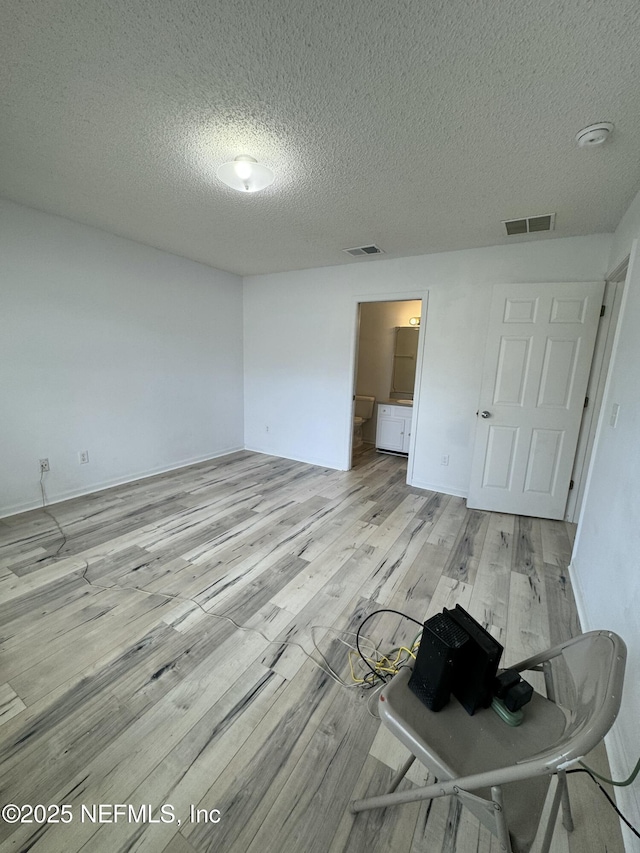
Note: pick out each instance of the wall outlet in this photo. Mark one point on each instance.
(444, 460)
(83, 456)
(266, 429)
(44, 466)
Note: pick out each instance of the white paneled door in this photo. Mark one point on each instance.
(537, 361)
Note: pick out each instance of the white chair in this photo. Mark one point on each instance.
(502, 773)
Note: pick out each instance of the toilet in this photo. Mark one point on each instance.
(363, 412)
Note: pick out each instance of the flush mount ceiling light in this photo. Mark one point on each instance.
(245, 174)
(594, 135)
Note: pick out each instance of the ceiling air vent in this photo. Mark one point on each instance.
(358, 251)
(530, 224)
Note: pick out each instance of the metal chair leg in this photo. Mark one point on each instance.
(398, 798)
(401, 774)
(501, 821)
(567, 817)
(553, 816)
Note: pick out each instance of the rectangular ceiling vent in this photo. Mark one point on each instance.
(359, 251)
(530, 224)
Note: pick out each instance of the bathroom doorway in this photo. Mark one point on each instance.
(385, 371)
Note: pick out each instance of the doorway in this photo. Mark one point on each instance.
(385, 367)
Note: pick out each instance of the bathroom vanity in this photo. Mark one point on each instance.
(393, 426)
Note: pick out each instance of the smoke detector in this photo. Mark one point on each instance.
(594, 135)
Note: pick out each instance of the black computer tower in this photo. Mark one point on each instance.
(476, 664)
(433, 672)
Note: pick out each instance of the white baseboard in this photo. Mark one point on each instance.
(579, 597)
(108, 484)
(627, 799)
(309, 460)
(435, 487)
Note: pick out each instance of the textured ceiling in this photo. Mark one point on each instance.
(417, 124)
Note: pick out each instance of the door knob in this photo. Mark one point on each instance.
(485, 414)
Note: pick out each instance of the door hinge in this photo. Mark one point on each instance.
(586, 402)
(570, 485)
(602, 310)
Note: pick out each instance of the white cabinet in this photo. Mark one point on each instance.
(393, 429)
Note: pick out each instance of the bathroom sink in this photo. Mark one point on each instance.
(401, 402)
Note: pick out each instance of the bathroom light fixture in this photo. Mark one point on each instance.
(414, 321)
(245, 174)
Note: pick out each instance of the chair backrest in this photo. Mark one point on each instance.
(587, 674)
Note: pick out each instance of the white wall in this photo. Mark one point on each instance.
(299, 347)
(112, 347)
(376, 346)
(606, 560)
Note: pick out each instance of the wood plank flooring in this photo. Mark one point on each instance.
(123, 682)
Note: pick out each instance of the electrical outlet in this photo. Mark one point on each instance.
(44, 466)
(444, 460)
(83, 456)
(266, 429)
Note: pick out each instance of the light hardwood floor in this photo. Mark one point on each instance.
(118, 687)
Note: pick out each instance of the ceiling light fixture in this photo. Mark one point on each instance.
(245, 174)
(593, 135)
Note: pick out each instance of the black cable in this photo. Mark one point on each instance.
(622, 784)
(364, 622)
(611, 802)
(52, 517)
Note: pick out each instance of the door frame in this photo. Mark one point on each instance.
(385, 296)
(612, 300)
